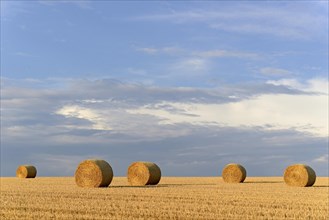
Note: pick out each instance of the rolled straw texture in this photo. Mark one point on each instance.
(142, 173)
(299, 175)
(26, 171)
(93, 173)
(234, 173)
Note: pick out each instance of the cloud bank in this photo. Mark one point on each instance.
(281, 20)
(188, 131)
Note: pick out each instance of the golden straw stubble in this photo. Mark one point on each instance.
(26, 171)
(93, 173)
(143, 173)
(234, 173)
(299, 175)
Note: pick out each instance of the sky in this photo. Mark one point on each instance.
(189, 85)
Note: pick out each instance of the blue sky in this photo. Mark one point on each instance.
(188, 85)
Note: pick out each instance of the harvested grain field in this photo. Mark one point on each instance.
(173, 198)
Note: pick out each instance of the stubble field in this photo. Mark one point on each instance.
(173, 198)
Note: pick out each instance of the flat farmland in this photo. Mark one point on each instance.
(173, 198)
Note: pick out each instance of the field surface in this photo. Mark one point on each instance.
(173, 198)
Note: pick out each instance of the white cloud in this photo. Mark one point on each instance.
(274, 71)
(281, 21)
(201, 54)
(304, 113)
(134, 71)
(148, 50)
(170, 125)
(322, 159)
(92, 101)
(292, 83)
(192, 64)
(108, 104)
(226, 53)
(261, 29)
(75, 111)
(278, 111)
(161, 50)
(319, 85)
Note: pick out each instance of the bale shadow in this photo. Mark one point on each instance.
(190, 184)
(144, 187)
(165, 185)
(263, 182)
(323, 186)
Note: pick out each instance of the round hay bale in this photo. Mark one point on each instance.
(93, 173)
(234, 173)
(26, 171)
(143, 173)
(299, 175)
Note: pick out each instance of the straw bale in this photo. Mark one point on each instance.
(299, 175)
(234, 173)
(26, 171)
(143, 173)
(93, 173)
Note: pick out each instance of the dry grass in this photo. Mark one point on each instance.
(172, 198)
(234, 173)
(93, 173)
(143, 173)
(299, 175)
(26, 171)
